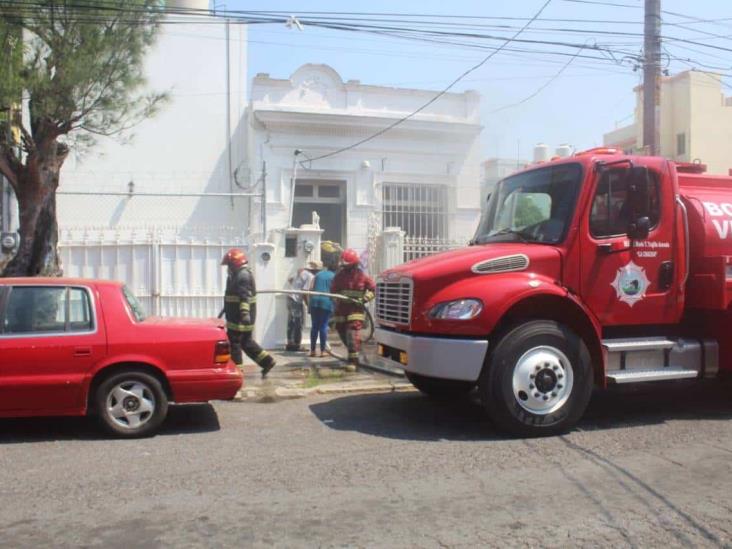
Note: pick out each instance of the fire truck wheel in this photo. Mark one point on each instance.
(538, 379)
(440, 388)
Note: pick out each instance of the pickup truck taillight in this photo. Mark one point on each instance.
(222, 352)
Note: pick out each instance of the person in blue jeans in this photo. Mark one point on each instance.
(321, 309)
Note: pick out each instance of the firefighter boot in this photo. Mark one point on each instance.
(267, 364)
(352, 365)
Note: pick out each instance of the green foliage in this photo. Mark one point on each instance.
(81, 68)
(11, 45)
(78, 67)
(528, 212)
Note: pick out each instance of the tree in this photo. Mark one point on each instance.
(77, 68)
(528, 212)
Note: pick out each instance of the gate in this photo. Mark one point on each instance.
(170, 274)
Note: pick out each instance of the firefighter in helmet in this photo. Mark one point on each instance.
(240, 308)
(349, 317)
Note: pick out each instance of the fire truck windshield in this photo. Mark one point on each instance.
(532, 206)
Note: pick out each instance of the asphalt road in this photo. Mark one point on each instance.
(643, 469)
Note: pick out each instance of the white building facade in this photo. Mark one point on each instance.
(422, 175)
(160, 209)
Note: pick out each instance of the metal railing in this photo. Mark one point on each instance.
(420, 210)
(416, 247)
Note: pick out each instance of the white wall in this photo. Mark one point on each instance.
(182, 149)
(316, 112)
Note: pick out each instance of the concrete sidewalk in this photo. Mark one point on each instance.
(297, 375)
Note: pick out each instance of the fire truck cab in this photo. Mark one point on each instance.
(587, 271)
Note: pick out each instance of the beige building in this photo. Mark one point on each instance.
(695, 122)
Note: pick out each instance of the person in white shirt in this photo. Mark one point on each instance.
(296, 305)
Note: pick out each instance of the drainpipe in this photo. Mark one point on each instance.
(293, 182)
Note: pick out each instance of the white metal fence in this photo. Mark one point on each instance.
(415, 247)
(170, 274)
(422, 212)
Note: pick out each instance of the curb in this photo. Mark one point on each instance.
(372, 388)
(274, 394)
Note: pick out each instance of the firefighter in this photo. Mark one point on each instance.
(240, 308)
(349, 317)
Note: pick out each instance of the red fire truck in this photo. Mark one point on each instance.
(584, 272)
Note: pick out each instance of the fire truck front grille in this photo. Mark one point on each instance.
(394, 301)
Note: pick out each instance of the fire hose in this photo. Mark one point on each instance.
(370, 319)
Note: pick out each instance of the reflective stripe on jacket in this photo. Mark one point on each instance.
(240, 300)
(354, 283)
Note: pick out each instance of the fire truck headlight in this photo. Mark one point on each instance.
(461, 309)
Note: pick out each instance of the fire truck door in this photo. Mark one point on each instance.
(624, 280)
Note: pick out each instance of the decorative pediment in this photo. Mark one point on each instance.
(317, 85)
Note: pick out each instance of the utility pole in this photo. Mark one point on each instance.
(229, 163)
(651, 76)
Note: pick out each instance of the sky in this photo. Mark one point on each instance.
(588, 98)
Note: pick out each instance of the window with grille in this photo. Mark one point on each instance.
(419, 210)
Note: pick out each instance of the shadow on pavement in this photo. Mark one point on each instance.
(412, 416)
(182, 419)
(407, 416)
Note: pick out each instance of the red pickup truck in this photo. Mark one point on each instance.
(72, 347)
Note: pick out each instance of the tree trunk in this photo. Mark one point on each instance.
(37, 254)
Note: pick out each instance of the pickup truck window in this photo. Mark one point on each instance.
(533, 206)
(47, 310)
(136, 308)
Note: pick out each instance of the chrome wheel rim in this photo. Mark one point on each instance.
(130, 404)
(542, 380)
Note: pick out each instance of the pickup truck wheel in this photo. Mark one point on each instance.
(440, 388)
(131, 404)
(538, 380)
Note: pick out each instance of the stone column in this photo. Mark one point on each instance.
(265, 263)
(391, 249)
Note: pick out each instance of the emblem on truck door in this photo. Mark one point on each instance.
(631, 283)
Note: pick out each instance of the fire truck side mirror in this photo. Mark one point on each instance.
(640, 228)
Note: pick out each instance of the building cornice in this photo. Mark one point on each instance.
(282, 118)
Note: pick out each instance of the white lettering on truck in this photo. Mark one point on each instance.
(722, 226)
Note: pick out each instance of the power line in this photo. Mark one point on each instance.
(395, 31)
(540, 89)
(599, 3)
(469, 40)
(436, 97)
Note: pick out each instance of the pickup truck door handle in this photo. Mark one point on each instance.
(82, 351)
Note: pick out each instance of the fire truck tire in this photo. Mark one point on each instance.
(440, 388)
(537, 380)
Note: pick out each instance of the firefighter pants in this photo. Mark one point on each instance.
(350, 334)
(244, 341)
